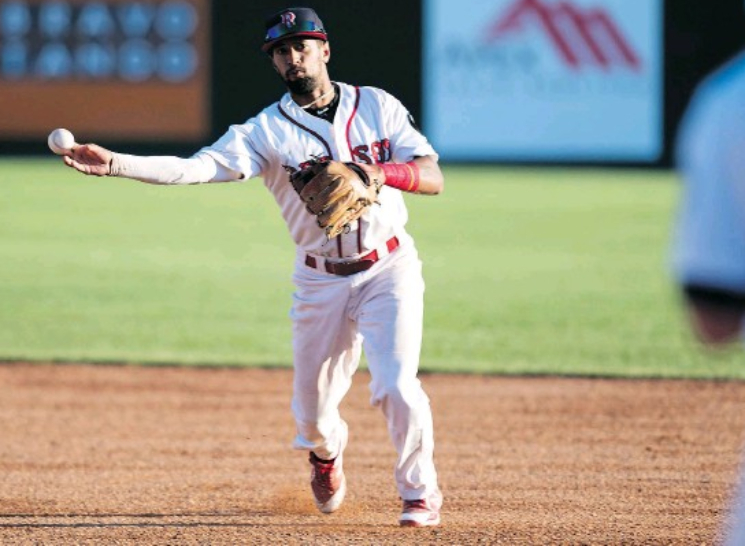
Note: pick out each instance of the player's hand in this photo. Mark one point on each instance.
(375, 175)
(89, 159)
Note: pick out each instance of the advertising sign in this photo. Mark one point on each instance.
(553, 80)
(107, 68)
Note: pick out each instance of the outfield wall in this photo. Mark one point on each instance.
(501, 81)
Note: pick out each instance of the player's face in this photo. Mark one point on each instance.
(301, 63)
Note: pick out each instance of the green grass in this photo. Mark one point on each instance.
(556, 271)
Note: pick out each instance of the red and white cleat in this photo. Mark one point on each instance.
(422, 512)
(328, 483)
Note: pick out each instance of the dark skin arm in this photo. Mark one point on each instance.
(431, 181)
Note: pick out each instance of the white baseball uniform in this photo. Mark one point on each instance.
(709, 239)
(334, 317)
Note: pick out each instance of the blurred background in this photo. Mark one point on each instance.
(577, 81)
(555, 123)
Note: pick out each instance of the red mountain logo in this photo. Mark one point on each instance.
(580, 36)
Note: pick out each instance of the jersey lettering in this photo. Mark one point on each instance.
(381, 150)
(377, 152)
(360, 154)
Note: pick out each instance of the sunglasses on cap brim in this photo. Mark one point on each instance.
(305, 27)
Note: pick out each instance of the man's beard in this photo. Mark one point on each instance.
(302, 86)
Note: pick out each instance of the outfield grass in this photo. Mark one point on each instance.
(528, 271)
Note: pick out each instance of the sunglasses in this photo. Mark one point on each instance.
(280, 29)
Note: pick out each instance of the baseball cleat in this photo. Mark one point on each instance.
(328, 483)
(327, 480)
(422, 512)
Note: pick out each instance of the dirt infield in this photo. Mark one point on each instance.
(135, 455)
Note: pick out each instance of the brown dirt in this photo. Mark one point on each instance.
(137, 455)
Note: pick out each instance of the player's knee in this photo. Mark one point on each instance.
(317, 428)
(310, 432)
(397, 393)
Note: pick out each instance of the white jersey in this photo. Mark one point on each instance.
(370, 126)
(709, 244)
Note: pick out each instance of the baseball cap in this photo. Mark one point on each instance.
(293, 22)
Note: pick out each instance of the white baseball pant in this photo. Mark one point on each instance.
(334, 317)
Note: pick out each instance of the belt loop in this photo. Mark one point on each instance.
(311, 261)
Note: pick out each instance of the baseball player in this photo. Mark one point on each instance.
(709, 237)
(362, 288)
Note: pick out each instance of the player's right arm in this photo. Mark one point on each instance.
(95, 160)
(239, 154)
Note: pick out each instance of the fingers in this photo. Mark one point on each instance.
(70, 162)
(81, 162)
(88, 159)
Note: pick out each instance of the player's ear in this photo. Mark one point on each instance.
(325, 51)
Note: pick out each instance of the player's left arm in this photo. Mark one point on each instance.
(431, 181)
(413, 167)
(420, 175)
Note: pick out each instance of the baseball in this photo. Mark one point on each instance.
(60, 141)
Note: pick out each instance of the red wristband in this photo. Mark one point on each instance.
(403, 176)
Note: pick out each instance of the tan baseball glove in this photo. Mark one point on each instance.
(337, 193)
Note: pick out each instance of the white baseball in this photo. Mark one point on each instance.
(60, 141)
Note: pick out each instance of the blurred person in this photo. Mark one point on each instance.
(709, 241)
(708, 249)
(360, 289)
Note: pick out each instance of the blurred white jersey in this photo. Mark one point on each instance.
(370, 126)
(709, 242)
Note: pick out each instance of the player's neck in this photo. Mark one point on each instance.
(318, 98)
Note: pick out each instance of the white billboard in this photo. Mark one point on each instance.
(544, 80)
